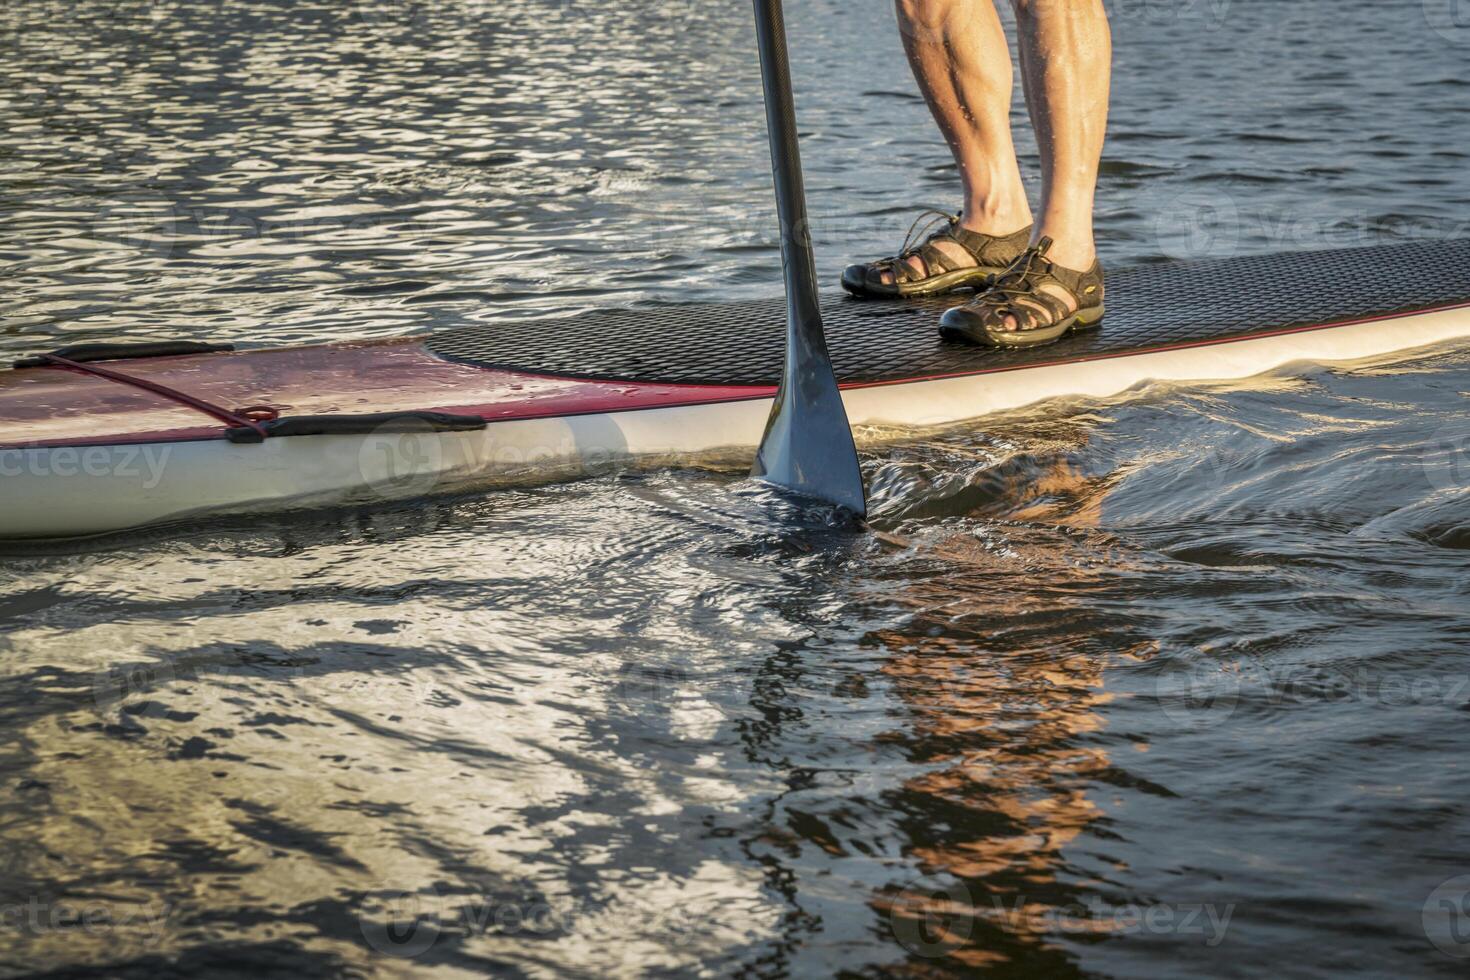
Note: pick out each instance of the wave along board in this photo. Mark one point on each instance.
(549, 399)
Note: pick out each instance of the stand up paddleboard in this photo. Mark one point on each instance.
(549, 399)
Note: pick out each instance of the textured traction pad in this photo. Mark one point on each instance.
(1151, 306)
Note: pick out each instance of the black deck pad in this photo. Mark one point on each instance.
(1151, 306)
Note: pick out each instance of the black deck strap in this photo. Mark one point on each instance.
(353, 425)
(82, 353)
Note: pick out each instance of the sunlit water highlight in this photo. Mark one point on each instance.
(1171, 683)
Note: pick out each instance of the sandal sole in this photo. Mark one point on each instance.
(946, 283)
(1079, 322)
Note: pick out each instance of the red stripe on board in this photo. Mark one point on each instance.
(596, 398)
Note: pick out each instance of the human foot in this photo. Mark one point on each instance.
(1033, 302)
(950, 258)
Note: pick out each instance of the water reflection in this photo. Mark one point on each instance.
(651, 722)
(997, 717)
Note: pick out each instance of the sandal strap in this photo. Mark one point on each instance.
(1024, 311)
(923, 248)
(983, 249)
(936, 260)
(1017, 293)
(993, 250)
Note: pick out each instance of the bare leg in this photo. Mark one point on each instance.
(959, 56)
(1066, 61)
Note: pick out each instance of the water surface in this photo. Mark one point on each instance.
(1172, 682)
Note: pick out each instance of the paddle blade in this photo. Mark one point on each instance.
(808, 446)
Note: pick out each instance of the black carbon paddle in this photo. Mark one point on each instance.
(807, 446)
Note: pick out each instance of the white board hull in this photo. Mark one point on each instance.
(82, 490)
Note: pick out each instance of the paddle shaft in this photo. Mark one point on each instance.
(808, 445)
(796, 243)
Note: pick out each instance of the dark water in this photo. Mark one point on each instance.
(1174, 683)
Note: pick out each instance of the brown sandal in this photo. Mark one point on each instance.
(942, 274)
(1041, 317)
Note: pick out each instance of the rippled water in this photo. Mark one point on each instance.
(1174, 682)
